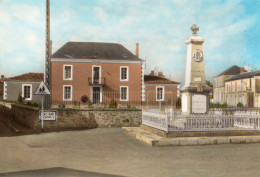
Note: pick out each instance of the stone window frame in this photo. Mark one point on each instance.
(64, 72)
(127, 74)
(163, 92)
(71, 91)
(23, 91)
(127, 93)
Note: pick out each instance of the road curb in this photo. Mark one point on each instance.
(156, 140)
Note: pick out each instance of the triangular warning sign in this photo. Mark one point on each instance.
(42, 89)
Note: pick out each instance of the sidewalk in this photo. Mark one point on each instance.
(155, 140)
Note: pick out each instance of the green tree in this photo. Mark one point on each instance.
(209, 84)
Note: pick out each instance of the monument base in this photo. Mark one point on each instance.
(195, 101)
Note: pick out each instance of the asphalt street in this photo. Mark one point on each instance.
(109, 152)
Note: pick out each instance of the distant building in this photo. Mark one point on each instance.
(219, 83)
(155, 72)
(243, 88)
(25, 85)
(96, 72)
(160, 90)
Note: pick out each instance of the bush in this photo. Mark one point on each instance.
(240, 105)
(62, 106)
(35, 104)
(211, 105)
(217, 105)
(178, 103)
(32, 104)
(113, 104)
(20, 99)
(90, 105)
(76, 104)
(224, 105)
(29, 103)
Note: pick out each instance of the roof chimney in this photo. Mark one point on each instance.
(242, 70)
(245, 68)
(137, 49)
(156, 71)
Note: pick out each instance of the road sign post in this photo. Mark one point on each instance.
(42, 111)
(42, 90)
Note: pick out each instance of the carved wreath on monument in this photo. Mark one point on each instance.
(198, 56)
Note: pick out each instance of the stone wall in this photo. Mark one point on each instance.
(78, 118)
(5, 110)
(26, 115)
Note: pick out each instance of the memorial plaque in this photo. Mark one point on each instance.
(199, 104)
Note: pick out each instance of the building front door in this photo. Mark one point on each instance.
(96, 95)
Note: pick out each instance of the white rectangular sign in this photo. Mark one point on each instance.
(199, 104)
(184, 103)
(49, 115)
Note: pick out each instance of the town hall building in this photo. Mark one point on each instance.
(96, 72)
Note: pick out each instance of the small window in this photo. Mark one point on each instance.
(124, 93)
(159, 93)
(67, 72)
(124, 73)
(67, 93)
(27, 91)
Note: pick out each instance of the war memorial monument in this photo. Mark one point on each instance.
(195, 93)
(165, 126)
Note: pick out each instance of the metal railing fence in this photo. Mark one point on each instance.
(101, 98)
(172, 120)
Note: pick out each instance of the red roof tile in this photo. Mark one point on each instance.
(29, 77)
(148, 79)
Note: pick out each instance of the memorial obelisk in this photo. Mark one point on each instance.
(195, 92)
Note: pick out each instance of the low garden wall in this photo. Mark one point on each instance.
(5, 109)
(78, 118)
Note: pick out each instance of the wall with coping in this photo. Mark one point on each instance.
(78, 118)
(5, 110)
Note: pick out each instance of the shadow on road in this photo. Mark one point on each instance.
(57, 171)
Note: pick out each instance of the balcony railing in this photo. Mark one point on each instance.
(96, 81)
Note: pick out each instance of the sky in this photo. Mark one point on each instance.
(161, 27)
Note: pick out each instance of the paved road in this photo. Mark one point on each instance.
(109, 152)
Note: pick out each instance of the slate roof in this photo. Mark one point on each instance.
(28, 77)
(233, 70)
(244, 75)
(148, 79)
(94, 50)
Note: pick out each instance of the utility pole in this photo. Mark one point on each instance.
(48, 52)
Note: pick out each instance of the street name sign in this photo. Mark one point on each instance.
(48, 115)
